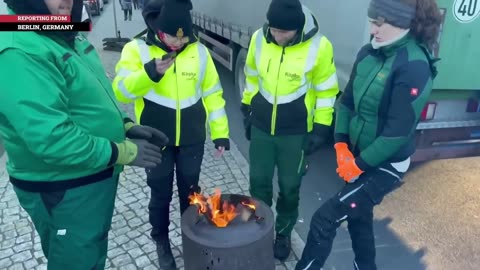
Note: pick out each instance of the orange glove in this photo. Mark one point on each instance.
(349, 171)
(343, 154)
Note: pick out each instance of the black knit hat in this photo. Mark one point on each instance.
(286, 15)
(174, 18)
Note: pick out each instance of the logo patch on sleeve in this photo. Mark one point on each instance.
(414, 92)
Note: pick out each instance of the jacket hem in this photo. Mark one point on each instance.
(47, 186)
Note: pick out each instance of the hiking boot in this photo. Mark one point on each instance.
(165, 256)
(282, 247)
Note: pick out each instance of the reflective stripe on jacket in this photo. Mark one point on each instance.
(188, 95)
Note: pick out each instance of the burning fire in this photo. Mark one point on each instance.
(220, 213)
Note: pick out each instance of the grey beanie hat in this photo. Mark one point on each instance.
(394, 12)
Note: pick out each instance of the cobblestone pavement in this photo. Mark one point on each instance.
(130, 245)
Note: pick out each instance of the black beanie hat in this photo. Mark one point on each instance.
(174, 18)
(286, 15)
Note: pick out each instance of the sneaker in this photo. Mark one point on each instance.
(165, 256)
(282, 247)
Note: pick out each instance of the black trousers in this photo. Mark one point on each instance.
(354, 204)
(183, 161)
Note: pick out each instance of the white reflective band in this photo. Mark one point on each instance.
(284, 99)
(121, 86)
(258, 47)
(325, 102)
(124, 72)
(327, 84)
(214, 89)
(172, 103)
(216, 114)
(351, 193)
(313, 52)
(249, 71)
(144, 51)
(391, 173)
(249, 87)
(202, 53)
(309, 264)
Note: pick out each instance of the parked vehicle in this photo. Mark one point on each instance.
(95, 6)
(86, 17)
(450, 123)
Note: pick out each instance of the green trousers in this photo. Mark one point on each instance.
(73, 225)
(286, 153)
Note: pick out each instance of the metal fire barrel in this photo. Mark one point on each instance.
(239, 246)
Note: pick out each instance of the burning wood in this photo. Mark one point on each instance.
(222, 212)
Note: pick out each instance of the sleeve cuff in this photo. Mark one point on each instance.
(342, 137)
(362, 164)
(222, 142)
(321, 130)
(114, 156)
(151, 70)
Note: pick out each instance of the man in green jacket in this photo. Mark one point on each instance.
(65, 136)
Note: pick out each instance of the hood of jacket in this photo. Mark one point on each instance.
(39, 7)
(310, 28)
(150, 11)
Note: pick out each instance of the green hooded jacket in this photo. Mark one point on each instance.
(59, 117)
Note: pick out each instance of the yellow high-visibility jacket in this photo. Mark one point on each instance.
(184, 102)
(290, 88)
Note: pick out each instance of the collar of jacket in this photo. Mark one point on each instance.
(391, 49)
(310, 28)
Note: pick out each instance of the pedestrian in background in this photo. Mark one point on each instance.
(127, 9)
(375, 126)
(175, 86)
(135, 4)
(291, 85)
(65, 136)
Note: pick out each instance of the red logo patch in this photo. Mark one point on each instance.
(414, 91)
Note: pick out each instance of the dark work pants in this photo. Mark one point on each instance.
(354, 203)
(186, 162)
(286, 153)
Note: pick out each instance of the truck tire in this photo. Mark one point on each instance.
(239, 73)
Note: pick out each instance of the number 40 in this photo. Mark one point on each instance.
(468, 9)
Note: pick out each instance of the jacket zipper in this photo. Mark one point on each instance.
(355, 140)
(178, 111)
(274, 112)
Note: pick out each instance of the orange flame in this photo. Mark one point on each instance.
(221, 214)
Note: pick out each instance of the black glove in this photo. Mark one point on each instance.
(316, 138)
(247, 119)
(222, 143)
(153, 135)
(137, 152)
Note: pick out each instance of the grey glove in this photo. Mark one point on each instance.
(153, 135)
(137, 152)
(148, 154)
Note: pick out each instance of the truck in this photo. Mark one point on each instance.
(450, 122)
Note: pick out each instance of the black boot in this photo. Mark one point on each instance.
(282, 247)
(165, 256)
